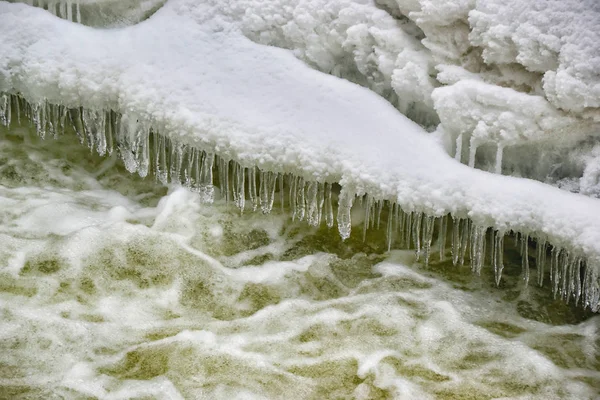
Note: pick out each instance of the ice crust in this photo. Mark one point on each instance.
(192, 78)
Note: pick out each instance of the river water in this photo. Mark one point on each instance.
(115, 287)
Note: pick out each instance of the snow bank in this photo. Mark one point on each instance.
(201, 83)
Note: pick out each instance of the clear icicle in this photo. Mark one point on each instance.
(300, 200)
(418, 217)
(455, 240)
(442, 236)
(478, 248)
(328, 206)
(368, 204)
(239, 194)
(293, 183)
(176, 162)
(390, 225)
(525, 258)
(498, 256)
(407, 230)
(75, 116)
(345, 200)
(428, 237)
(540, 261)
(464, 240)
(161, 162)
(280, 178)
(554, 273)
(320, 202)
(267, 191)
(252, 195)
(577, 280)
(206, 187)
(312, 213)
(5, 109)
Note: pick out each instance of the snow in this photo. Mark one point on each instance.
(191, 73)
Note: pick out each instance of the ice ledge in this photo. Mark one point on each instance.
(209, 90)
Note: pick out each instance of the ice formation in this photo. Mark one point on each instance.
(187, 97)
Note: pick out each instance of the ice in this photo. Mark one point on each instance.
(214, 102)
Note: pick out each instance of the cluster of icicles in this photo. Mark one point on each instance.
(144, 150)
(68, 9)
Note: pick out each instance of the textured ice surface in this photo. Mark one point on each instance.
(192, 75)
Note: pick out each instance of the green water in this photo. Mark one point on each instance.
(115, 287)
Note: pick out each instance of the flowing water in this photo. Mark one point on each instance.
(117, 287)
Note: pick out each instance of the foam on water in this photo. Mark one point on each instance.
(114, 287)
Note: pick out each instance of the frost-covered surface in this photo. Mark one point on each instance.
(194, 76)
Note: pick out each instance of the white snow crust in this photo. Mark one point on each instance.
(196, 77)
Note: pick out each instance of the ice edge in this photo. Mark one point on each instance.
(145, 150)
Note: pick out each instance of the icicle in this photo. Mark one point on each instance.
(498, 255)
(477, 248)
(458, 154)
(455, 240)
(176, 162)
(472, 151)
(75, 116)
(142, 156)
(160, 161)
(69, 11)
(417, 234)
(239, 194)
(320, 202)
(464, 240)
(78, 12)
(591, 288)
(267, 191)
(428, 237)
(312, 213)
(378, 209)
(576, 279)
(93, 124)
(63, 9)
(224, 178)
(345, 200)
(554, 273)
(541, 261)
(188, 162)
(5, 109)
(565, 263)
(280, 178)
(442, 236)
(112, 127)
(252, 194)
(407, 231)
(18, 109)
(293, 183)
(400, 222)
(39, 111)
(390, 224)
(206, 187)
(525, 258)
(368, 204)
(300, 200)
(499, 152)
(328, 206)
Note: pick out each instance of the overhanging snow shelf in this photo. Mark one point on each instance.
(210, 99)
